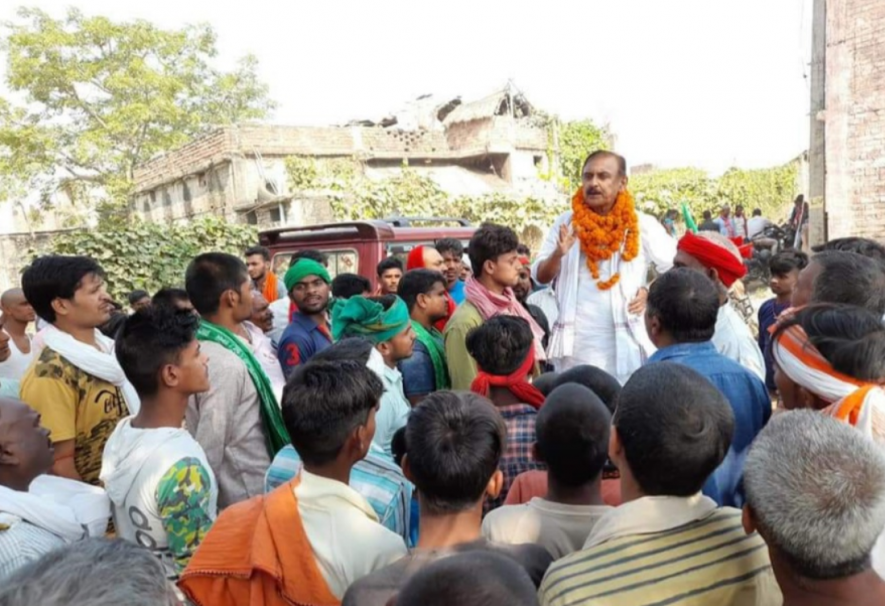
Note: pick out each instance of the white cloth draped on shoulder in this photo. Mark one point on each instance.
(102, 364)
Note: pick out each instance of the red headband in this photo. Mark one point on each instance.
(416, 259)
(713, 256)
(525, 260)
(516, 382)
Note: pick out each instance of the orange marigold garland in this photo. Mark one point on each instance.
(601, 236)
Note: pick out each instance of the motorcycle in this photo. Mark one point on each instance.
(770, 241)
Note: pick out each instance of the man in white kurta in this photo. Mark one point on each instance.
(604, 328)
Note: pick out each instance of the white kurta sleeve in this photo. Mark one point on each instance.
(658, 244)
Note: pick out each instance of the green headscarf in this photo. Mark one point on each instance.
(302, 269)
(360, 317)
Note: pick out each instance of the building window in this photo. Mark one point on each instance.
(275, 215)
(252, 218)
(185, 192)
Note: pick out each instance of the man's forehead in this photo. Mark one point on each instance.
(601, 164)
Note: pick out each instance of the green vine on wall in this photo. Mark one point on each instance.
(152, 255)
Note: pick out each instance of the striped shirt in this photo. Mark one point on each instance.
(709, 560)
(376, 478)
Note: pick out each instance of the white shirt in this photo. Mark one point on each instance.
(756, 225)
(734, 340)
(394, 409)
(263, 349)
(347, 540)
(280, 309)
(560, 529)
(545, 299)
(15, 366)
(136, 465)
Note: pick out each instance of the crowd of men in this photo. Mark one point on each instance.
(478, 428)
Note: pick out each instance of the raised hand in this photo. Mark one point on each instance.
(567, 239)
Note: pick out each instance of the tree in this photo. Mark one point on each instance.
(100, 97)
(576, 140)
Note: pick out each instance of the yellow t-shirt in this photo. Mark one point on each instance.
(74, 405)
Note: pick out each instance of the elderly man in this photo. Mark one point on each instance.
(816, 494)
(601, 282)
(720, 260)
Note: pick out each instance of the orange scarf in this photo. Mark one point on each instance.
(601, 236)
(270, 287)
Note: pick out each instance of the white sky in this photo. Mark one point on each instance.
(708, 83)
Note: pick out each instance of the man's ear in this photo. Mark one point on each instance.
(748, 520)
(170, 375)
(536, 453)
(421, 300)
(615, 448)
(7, 457)
(407, 468)
(60, 306)
(495, 485)
(652, 324)
(385, 348)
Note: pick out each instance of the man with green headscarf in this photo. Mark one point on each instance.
(386, 323)
(307, 283)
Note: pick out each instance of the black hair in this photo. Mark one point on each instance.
(573, 431)
(501, 344)
(309, 253)
(170, 296)
(757, 212)
(386, 301)
(351, 348)
(675, 427)
(390, 263)
(452, 245)
(786, 261)
(471, 578)
(209, 276)
(398, 446)
(323, 402)
(547, 382)
(418, 282)
(739, 207)
(686, 303)
(455, 441)
(113, 325)
(602, 153)
(490, 242)
(605, 386)
(258, 250)
(850, 338)
(345, 286)
(55, 277)
(850, 278)
(862, 246)
(708, 215)
(151, 339)
(137, 295)
(523, 250)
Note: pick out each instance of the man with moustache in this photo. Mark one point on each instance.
(599, 254)
(309, 287)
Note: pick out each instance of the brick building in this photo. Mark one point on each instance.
(486, 146)
(847, 151)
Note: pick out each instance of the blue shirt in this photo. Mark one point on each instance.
(768, 314)
(376, 478)
(457, 293)
(419, 377)
(301, 341)
(749, 400)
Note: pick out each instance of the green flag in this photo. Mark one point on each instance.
(690, 225)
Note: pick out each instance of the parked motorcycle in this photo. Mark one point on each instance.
(770, 241)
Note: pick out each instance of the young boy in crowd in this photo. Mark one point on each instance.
(667, 543)
(573, 434)
(162, 488)
(454, 442)
(503, 348)
(309, 540)
(390, 272)
(785, 267)
(75, 382)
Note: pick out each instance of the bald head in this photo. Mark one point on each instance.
(16, 310)
(25, 449)
(433, 260)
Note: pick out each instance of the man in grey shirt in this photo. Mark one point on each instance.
(454, 443)
(227, 419)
